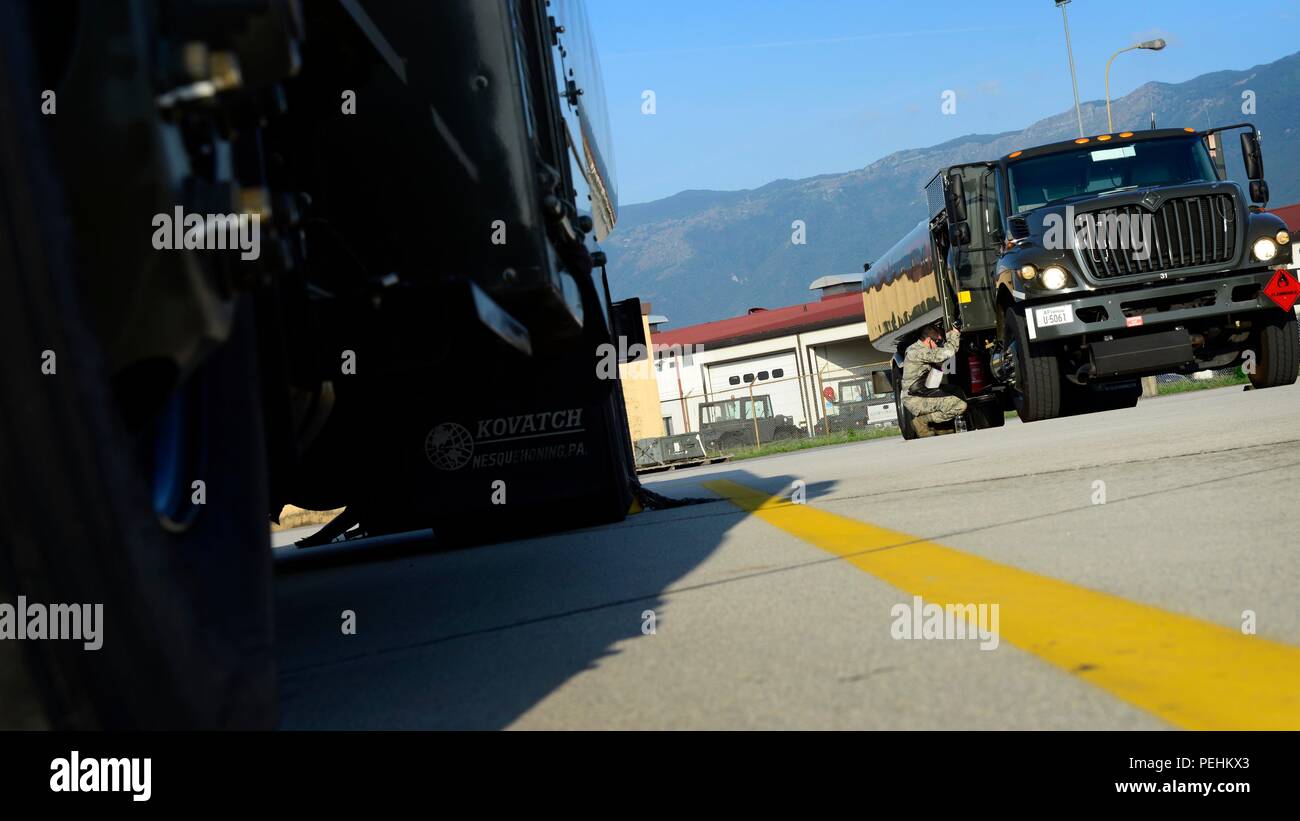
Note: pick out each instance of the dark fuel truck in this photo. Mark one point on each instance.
(1075, 269)
(335, 254)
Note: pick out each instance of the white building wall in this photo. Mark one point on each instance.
(681, 388)
(835, 355)
(705, 375)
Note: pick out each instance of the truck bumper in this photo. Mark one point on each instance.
(1161, 305)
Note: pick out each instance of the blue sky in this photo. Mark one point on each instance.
(748, 91)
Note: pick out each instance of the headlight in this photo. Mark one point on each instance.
(1028, 272)
(1265, 249)
(1053, 278)
(1283, 237)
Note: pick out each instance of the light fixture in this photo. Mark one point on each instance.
(1265, 249)
(1054, 278)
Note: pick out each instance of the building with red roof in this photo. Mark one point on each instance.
(805, 359)
(1290, 214)
(767, 323)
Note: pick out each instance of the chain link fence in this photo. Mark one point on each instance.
(766, 409)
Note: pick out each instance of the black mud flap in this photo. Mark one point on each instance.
(505, 468)
(984, 411)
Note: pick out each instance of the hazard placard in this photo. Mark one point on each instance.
(1283, 288)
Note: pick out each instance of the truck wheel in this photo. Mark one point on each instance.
(1278, 347)
(984, 415)
(1037, 391)
(904, 417)
(1115, 399)
(185, 622)
(1078, 399)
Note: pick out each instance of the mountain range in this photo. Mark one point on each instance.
(703, 255)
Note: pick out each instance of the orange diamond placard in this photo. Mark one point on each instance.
(1283, 288)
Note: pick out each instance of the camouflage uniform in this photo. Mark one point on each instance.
(916, 366)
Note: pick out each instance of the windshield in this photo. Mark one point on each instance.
(1088, 171)
(853, 391)
(734, 409)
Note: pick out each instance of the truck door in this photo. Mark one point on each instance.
(975, 263)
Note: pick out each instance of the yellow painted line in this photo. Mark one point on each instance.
(1192, 673)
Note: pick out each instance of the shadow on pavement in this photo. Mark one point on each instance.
(474, 638)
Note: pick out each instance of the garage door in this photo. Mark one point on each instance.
(776, 375)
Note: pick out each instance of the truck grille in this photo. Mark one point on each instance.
(1185, 233)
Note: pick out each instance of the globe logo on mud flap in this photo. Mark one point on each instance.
(449, 446)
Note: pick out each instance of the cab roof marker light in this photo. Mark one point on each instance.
(1104, 137)
(1125, 135)
(1082, 140)
(1015, 154)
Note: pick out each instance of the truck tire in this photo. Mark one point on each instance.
(1078, 399)
(904, 417)
(1037, 390)
(1101, 401)
(186, 616)
(985, 415)
(1278, 345)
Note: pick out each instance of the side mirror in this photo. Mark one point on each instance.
(961, 234)
(1259, 192)
(866, 266)
(1252, 156)
(956, 198)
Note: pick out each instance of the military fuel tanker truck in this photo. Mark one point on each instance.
(335, 254)
(1074, 269)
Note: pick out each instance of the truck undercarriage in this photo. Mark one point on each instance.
(280, 252)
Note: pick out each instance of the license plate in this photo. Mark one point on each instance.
(1059, 315)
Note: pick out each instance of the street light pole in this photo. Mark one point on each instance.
(1149, 45)
(1069, 49)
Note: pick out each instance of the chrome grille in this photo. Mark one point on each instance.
(1186, 232)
